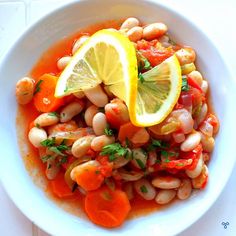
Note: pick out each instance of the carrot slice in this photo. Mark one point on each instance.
(137, 135)
(106, 207)
(90, 179)
(59, 186)
(44, 99)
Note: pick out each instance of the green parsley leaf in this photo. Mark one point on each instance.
(48, 142)
(157, 144)
(37, 125)
(62, 160)
(143, 189)
(185, 86)
(167, 154)
(37, 87)
(108, 131)
(114, 148)
(46, 158)
(140, 163)
(53, 114)
(140, 77)
(147, 65)
(97, 172)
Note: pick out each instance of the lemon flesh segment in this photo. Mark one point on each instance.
(107, 57)
(157, 94)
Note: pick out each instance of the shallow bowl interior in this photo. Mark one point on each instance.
(23, 55)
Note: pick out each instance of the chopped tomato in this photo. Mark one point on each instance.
(153, 54)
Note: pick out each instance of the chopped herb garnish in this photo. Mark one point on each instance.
(185, 86)
(108, 131)
(46, 158)
(97, 172)
(66, 89)
(53, 114)
(140, 77)
(48, 142)
(37, 125)
(114, 149)
(167, 154)
(140, 163)
(157, 144)
(37, 87)
(147, 65)
(63, 160)
(143, 189)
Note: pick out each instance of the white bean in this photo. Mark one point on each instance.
(166, 182)
(24, 90)
(99, 123)
(81, 146)
(196, 76)
(46, 119)
(185, 189)
(204, 86)
(82, 168)
(208, 143)
(129, 175)
(36, 136)
(191, 142)
(139, 158)
(97, 96)
(201, 180)
(165, 196)
(130, 23)
(99, 142)
(202, 114)
(154, 30)
(135, 33)
(70, 110)
(63, 62)
(128, 188)
(121, 160)
(79, 43)
(197, 170)
(185, 56)
(90, 112)
(145, 189)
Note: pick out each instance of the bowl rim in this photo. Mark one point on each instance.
(167, 8)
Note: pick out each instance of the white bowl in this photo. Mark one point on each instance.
(30, 199)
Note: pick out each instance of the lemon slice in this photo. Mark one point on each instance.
(108, 57)
(156, 94)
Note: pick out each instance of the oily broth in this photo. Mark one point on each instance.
(47, 63)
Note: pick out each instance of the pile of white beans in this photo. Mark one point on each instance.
(162, 188)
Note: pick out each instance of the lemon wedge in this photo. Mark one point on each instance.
(108, 57)
(156, 94)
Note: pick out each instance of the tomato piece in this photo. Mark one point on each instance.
(192, 83)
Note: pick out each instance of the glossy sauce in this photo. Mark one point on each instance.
(26, 114)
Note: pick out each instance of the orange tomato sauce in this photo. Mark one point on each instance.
(47, 63)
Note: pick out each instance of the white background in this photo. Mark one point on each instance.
(216, 18)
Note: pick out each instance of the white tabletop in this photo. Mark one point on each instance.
(216, 18)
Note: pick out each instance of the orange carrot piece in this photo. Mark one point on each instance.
(137, 135)
(90, 179)
(44, 99)
(60, 188)
(106, 207)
